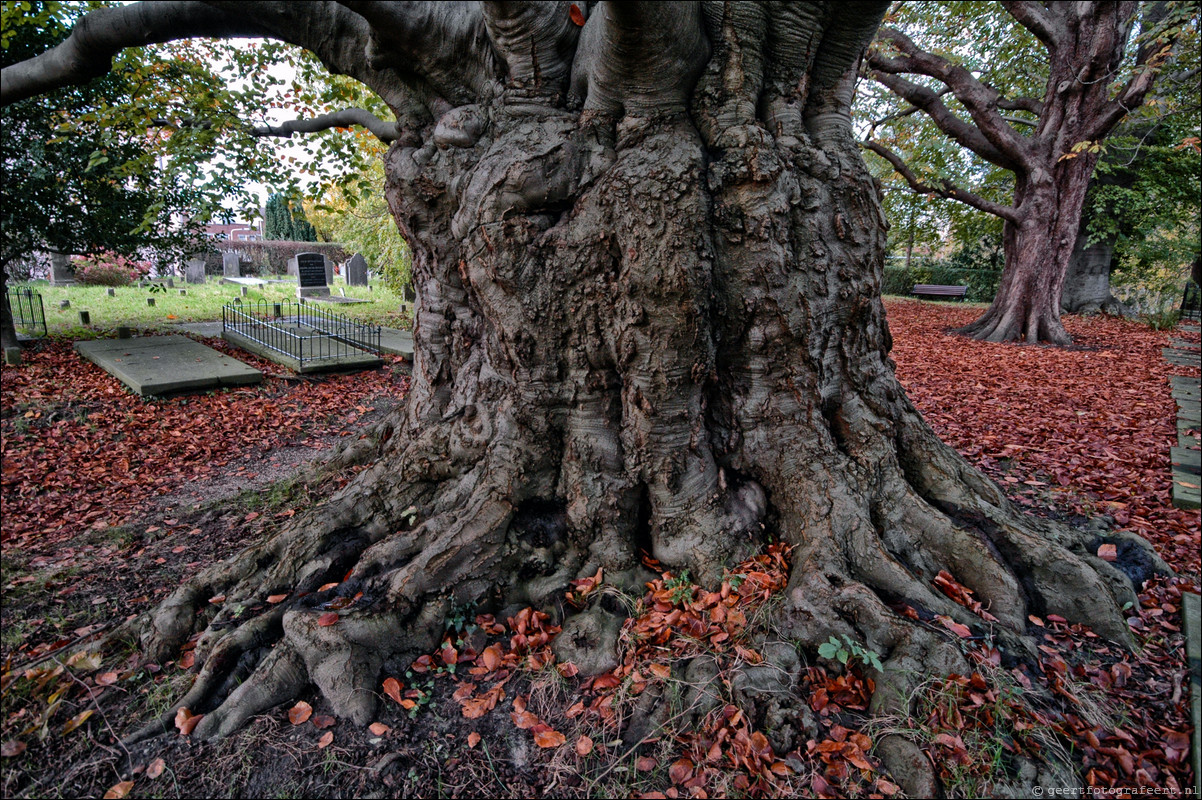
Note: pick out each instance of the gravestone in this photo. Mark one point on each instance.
(231, 267)
(194, 271)
(111, 292)
(292, 266)
(356, 270)
(329, 269)
(311, 275)
(170, 283)
(62, 273)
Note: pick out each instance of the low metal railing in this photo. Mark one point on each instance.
(27, 309)
(300, 331)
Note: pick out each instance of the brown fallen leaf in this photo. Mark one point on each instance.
(378, 728)
(12, 748)
(300, 713)
(327, 619)
(584, 746)
(549, 738)
(1108, 552)
(106, 679)
(186, 721)
(156, 768)
(326, 740)
(322, 721)
(392, 688)
(473, 739)
(119, 790)
(276, 598)
(218, 600)
(327, 586)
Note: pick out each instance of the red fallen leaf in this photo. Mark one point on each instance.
(392, 688)
(327, 619)
(187, 660)
(473, 739)
(576, 15)
(584, 746)
(321, 721)
(662, 671)
(549, 738)
(464, 692)
(645, 764)
(326, 740)
(218, 600)
(568, 670)
(276, 598)
(450, 655)
(251, 516)
(955, 627)
(524, 719)
(491, 657)
(1108, 552)
(106, 679)
(680, 771)
(325, 587)
(186, 721)
(156, 768)
(118, 790)
(300, 713)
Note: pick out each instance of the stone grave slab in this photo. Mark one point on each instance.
(158, 365)
(231, 265)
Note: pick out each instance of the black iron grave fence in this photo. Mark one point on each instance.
(27, 309)
(300, 331)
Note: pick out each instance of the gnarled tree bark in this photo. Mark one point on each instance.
(648, 259)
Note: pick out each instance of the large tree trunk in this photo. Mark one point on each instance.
(1087, 282)
(635, 332)
(1037, 252)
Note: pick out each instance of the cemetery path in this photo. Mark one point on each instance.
(110, 501)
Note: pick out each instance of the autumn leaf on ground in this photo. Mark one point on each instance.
(106, 679)
(276, 598)
(321, 721)
(392, 688)
(12, 748)
(186, 721)
(326, 740)
(584, 746)
(378, 728)
(473, 739)
(77, 720)
(549, 738)
(156, 768)
(327, 619)
(119, 790)
(300, 713)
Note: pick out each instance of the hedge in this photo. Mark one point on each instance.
(981, 283)
(270, 257)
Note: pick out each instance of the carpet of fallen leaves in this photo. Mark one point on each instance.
(1069, 433)
(81, 451)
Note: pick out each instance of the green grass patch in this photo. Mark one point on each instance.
(202, 303)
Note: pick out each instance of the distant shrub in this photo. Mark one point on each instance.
(981, 283)
(109, 269)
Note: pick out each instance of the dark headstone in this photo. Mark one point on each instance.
(231, 266)
(311, 275)
(356, 270)
(150, 301)
(112, 292)
(65, 304)
(85, 318)
(123, 332)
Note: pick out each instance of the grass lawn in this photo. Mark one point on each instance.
(201, 303)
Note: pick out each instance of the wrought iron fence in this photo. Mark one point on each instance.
(300, 331)
(27, 309)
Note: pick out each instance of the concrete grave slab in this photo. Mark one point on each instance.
(157, 365)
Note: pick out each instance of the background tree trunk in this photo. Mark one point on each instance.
(1087, 282)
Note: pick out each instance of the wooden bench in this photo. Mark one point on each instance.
(930, 290)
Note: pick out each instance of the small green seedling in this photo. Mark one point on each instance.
(849, 650)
